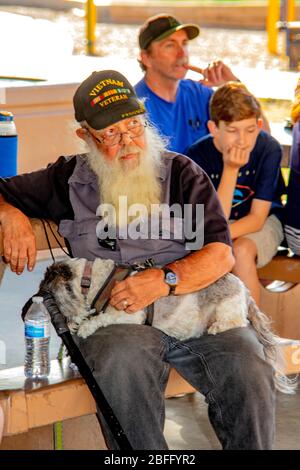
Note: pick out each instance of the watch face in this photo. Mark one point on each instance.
(171, 279)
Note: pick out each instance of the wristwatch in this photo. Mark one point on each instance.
(171, 279)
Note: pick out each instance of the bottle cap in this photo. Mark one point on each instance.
(37, 299)
(6, 116)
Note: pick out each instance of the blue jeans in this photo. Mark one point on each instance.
(131, 364)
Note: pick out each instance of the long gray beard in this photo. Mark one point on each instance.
(139, 185)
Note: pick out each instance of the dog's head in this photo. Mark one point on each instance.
(56, 275)
(62, 279)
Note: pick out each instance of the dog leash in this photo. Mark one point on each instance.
(149, 314)
(61, 328)
(101, 299)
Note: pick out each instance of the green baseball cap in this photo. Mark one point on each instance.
(161, 26)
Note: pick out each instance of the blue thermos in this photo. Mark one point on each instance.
(8, 145)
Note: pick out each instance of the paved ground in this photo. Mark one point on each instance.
(187, 425)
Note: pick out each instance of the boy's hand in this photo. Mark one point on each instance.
(235, 157)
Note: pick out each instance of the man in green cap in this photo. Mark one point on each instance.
(178, 107)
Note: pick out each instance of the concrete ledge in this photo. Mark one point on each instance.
(226, 16)
(251, 15)
(55, 4)
(247, 16)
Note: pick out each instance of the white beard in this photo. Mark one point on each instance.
(139, 185)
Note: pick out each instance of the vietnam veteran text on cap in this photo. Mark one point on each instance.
(105, 98)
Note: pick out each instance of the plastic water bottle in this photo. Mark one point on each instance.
(37, 339)
(8, 145)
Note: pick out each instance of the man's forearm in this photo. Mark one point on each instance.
(4, 206)
(6, 209)
(203, 267)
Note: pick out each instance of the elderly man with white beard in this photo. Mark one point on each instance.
(126, 159)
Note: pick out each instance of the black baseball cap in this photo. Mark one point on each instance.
(105, 98)
(161, 26)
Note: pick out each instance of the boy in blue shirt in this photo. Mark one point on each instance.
(243, 163)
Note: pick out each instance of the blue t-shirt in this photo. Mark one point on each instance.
(260, 178)
(182, 122)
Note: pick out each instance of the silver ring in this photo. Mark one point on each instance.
(125, 304)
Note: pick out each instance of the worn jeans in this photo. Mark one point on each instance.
(131, 364)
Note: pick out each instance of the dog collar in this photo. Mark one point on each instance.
(86, 277)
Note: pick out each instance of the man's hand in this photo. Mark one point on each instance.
(138, 291)
(19, 247)
(216, 74)
(235, 157)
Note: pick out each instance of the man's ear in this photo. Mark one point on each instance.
(260, 123)
(144, 58)
(212, 127)
(81, 133)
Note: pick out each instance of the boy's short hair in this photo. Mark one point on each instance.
(233, 102)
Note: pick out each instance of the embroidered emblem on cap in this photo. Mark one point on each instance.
(108, 93)
(104, 98)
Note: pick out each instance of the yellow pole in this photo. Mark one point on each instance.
(291, 10)
(272, 18)
(91, 19)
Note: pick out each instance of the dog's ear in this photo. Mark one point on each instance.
(56, 274)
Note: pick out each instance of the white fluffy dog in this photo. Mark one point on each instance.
(221, 306)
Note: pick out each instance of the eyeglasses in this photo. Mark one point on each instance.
(113, 136)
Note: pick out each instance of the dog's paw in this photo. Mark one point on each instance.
(83, 331)
(73, 326)
(213, 329)
(219, 327)
(88, 327)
